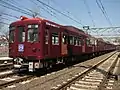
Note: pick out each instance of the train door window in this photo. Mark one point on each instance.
(71, 40)
(79, 41)
(64, 39)
(88, 41)
(32, 33)
(95, 42)
(21, 34)
(46, 36)
(11, 34)
(75, 41)
(92, 41)
(55, 38)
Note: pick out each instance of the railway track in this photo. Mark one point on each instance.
(10, 77)
(14, 79)
(6, 63)
(6, 66)
(95, 78)
(4, 82)
(44, 82)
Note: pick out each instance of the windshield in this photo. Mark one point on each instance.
(32, 33)
(11, 34)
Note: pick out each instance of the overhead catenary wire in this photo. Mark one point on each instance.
(15, 8)
(101, 7)
(68, 12)
(19, 5)
(4, 23)
(105, 12)
(5, 18)
(89, 12)
(10, 15)
(60, 12)
(53, 14)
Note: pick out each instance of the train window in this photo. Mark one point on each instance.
(32, 33)
(75, 41)
(64, 39)
(71, 41)
(46, 36)
(11, 28)
(95, 42)
(79, 41)
(88, 41)
(55, 39)
(11, 37)
(21, 34)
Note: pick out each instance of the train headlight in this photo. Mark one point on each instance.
(23, 17)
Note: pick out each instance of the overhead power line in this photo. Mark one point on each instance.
(19, 5)
(5, 18)
(60, 12)
(101, 7)
(9, 15)
(46, 10)
(105, 12)
(67, 12)
(4, 23)
(89, 12)
(12, 7)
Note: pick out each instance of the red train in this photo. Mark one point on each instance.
(38, 43)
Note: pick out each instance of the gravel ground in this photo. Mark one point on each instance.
(116, 85)
(48, 81)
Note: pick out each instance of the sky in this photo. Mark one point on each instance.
(79, 10)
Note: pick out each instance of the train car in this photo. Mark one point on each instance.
(36, 43)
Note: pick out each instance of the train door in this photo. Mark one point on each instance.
(64, 44)
(47, 42)
(83, 45)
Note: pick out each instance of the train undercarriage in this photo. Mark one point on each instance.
(33, 65)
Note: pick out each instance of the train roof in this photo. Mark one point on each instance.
(76, 30)
(25, 19)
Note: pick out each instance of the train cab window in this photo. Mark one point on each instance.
(32, 33)
(21, 34)
(64, 39)
(55, 39)
(11, 34)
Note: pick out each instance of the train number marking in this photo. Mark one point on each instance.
(20, 47)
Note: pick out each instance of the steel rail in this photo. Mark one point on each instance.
(2, 85)
(81, 75)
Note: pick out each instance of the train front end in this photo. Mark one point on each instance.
(25, 46)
